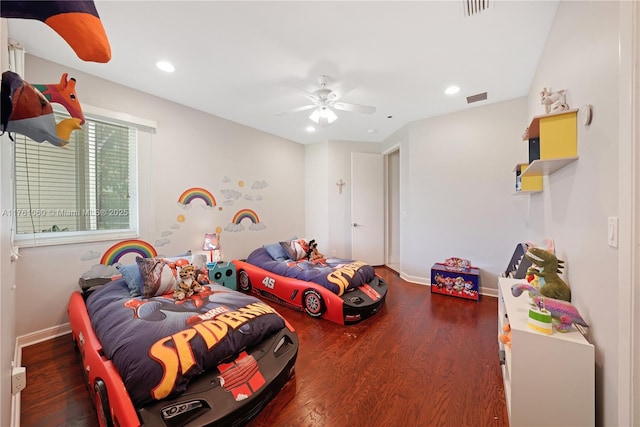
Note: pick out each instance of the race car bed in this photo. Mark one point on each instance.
(342, 291)
(214, 358)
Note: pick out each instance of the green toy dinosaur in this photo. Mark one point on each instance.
(546, 270)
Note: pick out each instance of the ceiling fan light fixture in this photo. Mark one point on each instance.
(323, 114)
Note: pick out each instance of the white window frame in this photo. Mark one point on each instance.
(26, 240)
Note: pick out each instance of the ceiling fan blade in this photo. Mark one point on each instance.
(310, 95)
(295, 110)
(344, 106)
(340, 90)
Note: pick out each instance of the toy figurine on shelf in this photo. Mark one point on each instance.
(554, 102)
(544, 275)
(505, 338)
(562, 312)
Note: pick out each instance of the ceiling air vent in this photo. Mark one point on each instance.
(474, 7)
(478, 97)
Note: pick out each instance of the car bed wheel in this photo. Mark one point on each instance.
(102, 404)
(313, 303)
(244, 283)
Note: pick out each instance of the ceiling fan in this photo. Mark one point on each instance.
(324, 101)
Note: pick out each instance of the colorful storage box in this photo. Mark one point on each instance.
(457, 282)
(223, 273)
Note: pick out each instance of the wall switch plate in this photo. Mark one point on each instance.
(612, 231)
(18, 379)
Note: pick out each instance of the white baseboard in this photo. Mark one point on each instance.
(490, 292)
(39, 336)
(416, 279)
(25, 341)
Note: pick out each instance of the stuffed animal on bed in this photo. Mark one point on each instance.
(187, 284)
(313, 254)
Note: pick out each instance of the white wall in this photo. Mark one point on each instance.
(457, 189)
(392, 168)
(189, 149)
(581, 56)
(317, 185)
(328, 210)
(340, 213)
(7, 271)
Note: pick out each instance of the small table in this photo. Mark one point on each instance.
(223, 273)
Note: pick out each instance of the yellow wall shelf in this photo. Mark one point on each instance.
(533, 131)
(527, 184)
(553, 144)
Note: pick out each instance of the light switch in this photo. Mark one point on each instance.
(612, 231)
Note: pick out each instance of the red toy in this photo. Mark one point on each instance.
(353, 306)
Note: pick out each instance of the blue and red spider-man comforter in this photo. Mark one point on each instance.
(158, 344)
(336, 274)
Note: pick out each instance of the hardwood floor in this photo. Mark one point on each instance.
(423, 360)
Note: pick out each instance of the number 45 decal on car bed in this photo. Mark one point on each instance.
(269, 282)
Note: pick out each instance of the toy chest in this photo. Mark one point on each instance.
(461, 283)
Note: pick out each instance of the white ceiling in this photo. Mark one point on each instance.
(241, 60)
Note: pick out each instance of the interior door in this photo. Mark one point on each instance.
(367, 208)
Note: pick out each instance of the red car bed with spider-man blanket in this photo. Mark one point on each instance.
(342, 291)
(215, 358)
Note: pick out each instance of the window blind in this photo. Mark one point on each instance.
(82, 187)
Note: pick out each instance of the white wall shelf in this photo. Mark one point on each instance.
(549, 380)
(526, 193)
(547, 167)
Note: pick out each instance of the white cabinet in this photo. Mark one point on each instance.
(549, 380)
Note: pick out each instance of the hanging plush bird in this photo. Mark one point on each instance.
(27, 111)
(77, 22)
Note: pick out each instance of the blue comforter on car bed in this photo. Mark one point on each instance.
(158, 344)
(336, 274)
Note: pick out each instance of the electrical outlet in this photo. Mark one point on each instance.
(612, 231)
(18, 379)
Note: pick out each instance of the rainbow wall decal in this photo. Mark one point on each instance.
(245, 213)
(191, 194)
(115, 252)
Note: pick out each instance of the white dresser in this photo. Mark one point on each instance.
(549, 380)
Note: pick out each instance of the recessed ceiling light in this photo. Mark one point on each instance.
(165, 66)
(372, 131)
(451, 90)
(311, 129)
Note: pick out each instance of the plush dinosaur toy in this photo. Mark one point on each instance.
(562, 312)
(546, 270)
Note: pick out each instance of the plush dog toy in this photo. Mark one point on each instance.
(313, 253)
(188, 285)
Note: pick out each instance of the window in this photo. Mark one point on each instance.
(83, 192)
